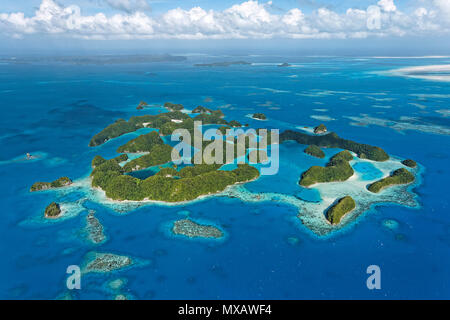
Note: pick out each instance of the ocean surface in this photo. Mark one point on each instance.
(52, 110)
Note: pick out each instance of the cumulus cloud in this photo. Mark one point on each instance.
(250, 19)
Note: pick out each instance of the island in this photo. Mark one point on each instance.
(222, 64)
(338, 210)
(409, 163)
(191, 229)
(58, 183)
(315, 151)
(320, 129)
(337, 169)
(141, 105)
(173, 107)
(332, 140)
(201, 109)
(399, 176)
(259, 116)
(284, 64)
(53, 210)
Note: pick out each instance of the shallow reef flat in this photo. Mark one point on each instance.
(191, 229)
(94, 229)
(105, 262)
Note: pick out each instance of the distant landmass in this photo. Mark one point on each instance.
(97, 59)
(222, 64)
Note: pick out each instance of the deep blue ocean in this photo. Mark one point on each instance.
(52, 110)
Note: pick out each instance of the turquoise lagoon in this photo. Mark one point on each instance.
(52, 111)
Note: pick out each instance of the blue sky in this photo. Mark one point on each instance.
(414, 25)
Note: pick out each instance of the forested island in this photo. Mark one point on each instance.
(53, 210)
(409, 163)
(259, 116)
(338, 210)
(399, 176)
(58, 183)
(337, 169)
(315, 151)
(320, 129)
(332, 140)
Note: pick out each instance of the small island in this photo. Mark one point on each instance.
(201, 109)
(53, 210)
(399, 176)
(221, 64)
(320, 129)
(315, 151)
(259, 116)
(58, 183)
(192, 229)
(284, 64)
(173, 107)
(409, 163)
(337, 169)
(141, 105)
(337, 211)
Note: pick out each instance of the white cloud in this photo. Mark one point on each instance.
(250, 19)
(387, 5)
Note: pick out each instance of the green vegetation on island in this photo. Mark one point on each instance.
(409, 163)
(192, 229)
(173, 106)
(399, 176)
(315, 151)
(201, 109)
(53, 210)
(234, 124)
(58, 183)
(259, 116)
(337, 169)
(143, 143)
(339, 209)
(332, 140)
(320, 129)
(141, 105)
